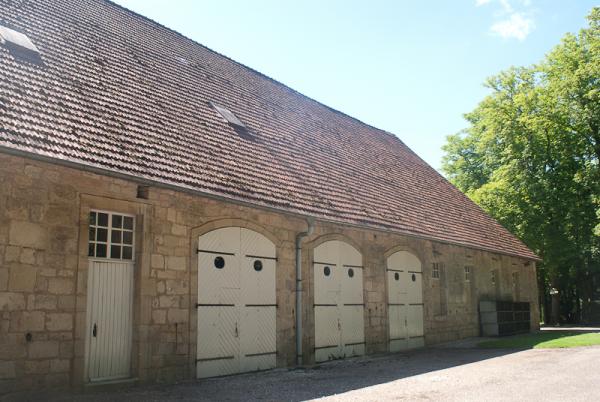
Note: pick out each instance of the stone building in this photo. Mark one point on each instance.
(167, 213)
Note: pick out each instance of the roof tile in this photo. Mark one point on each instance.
(120, 92)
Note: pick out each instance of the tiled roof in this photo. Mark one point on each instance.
(120, 92)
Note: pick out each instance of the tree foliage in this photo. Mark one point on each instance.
(530, 157)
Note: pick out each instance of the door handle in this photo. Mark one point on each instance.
(94, 330)
(236, 330)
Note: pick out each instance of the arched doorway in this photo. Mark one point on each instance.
(236, 302)
(338, 303)
(405, 301)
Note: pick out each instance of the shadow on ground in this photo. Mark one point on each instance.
(324, 380)
(302, 384)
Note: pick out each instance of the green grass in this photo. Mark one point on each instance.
(544, 340)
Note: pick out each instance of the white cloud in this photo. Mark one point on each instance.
(506, 6)
(516, 26)
(513, 18)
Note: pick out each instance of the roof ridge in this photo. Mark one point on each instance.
(252, 70)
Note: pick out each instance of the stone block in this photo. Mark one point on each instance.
(7, 370)
(60, 366)
(21, 278)
(157, 261)
(34, 172)
(43, 349)
(3, 279)
(60, 336)
(12, 254)
(178, 230)
(66, 350)
(176, 287)
(27, 234)
(56, 380)
(66, 302)
(171, 215)
(176, 315)
(176, 263)
(28, 256)
(159, 316)
(374, 297)
(26, 321)
(41, 302)
(37, 366)
(168, 301)
(61, 286)
(41, 284)
(59, 322)
(11, 301)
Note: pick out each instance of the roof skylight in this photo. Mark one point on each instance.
(228, 116)
(19, 44)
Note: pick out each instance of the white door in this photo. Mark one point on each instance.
(236, 302)
(110, 298)
(405, 301)
(338, 304)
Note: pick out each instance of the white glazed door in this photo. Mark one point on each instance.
(109, 313)
(110, 298)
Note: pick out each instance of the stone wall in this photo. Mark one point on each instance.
(44, 210)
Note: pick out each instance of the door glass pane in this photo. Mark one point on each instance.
(101, 250)
(127, 237)
(115, 251)
(117, 221)
(102, 235)
(128, 222)
(115, 236)
(102, 219)
(127, 253)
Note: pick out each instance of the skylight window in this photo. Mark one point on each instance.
(229, 116)
(19, 45)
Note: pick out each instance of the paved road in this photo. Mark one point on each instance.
(436, 374)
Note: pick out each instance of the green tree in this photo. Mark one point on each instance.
(530, 157)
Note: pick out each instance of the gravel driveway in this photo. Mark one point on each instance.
(447, 373)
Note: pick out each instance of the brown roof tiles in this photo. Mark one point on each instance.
(120, 92)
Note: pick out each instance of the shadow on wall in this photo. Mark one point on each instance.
(302, 384)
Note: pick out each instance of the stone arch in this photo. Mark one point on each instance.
(403, 247)
(334, 236)
(233, 222)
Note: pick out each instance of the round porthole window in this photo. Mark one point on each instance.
(219, 262)
(326, 271)
(350, 272)
(258, 265)
(397, 276)
(414, 277)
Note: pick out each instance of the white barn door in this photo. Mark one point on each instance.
(338, 301)
(236, 302)
(109, 307)
(405, 301)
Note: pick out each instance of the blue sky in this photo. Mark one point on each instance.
(409, 67)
